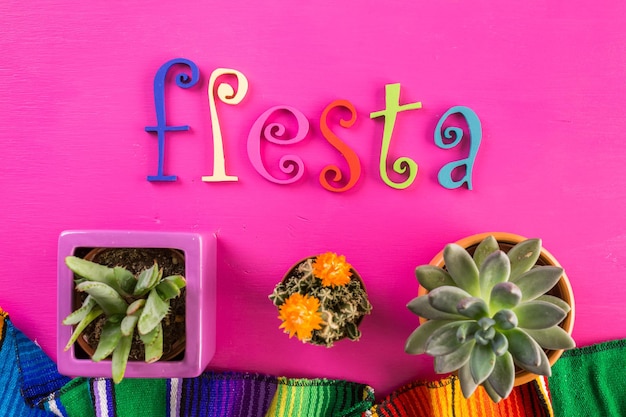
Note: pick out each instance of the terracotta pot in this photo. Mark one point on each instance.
(177, 347)
(562, 289)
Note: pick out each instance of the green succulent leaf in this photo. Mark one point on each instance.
(486, 322)
(494, 270)
(538, 281)
(462, 268)
(503, 376)
(526, 352)
(499, 344)
(93, 314)
(481, 362)
(109, 339)
(556, 301)
(120, 358)
(554, 338)
(505, 319)
(524, 256)
(154, 350)
(135, 306)
(150, 337)
(179, 280)
(538, 315)
(431, 277)
(91, 271)
(486, 334)
(76, 316)
(473, 307)
(480, 340)
(128, 324)
(421, 306)
(125, 279)
(444, 340)
(167, 290)
(147, 279)
(107, 298)
(466, 331)
(468, 386)
(416, 342)
(504, 295)
(542, 369)
(170, 286)
(455, 359)
(153, 312)
(485, 248)
(446, 298)
(491, 392)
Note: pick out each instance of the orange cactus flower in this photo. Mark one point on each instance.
(300, 315)
(332, 269)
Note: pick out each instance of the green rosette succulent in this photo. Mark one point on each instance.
(488, 313)
(130, 303)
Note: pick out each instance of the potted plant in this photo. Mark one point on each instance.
(128, 307)
(170, 263)
(321, 299)
(496, 308)
(135, 294)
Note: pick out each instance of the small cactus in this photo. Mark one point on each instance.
(321, 300)
(130, 303)
(489, 313)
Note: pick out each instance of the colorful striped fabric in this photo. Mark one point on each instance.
(34, 388)
(75, 397)
(214, 395)
(254, 395)
(590, 381)
(320, 397)
(444, 398)
(39, 375)
(12, 403)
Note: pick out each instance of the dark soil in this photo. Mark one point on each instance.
(136, 260)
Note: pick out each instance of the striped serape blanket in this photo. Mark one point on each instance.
(590, 381)
(22, 389)
(35, 388)
(227, 394)
(444, 398)
(253, 395)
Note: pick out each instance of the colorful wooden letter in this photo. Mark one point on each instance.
(183, 80)
(289, 164)
(354, 165)
(226, 93)
(403, 164)
(456, 133)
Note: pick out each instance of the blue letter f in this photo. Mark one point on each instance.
(183, 80)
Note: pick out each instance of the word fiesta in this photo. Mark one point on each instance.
(331, 177)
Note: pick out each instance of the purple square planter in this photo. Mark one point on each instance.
(200, 270)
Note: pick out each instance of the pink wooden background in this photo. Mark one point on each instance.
(548, 81)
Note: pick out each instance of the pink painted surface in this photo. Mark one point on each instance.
(547, 82)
